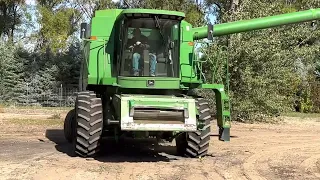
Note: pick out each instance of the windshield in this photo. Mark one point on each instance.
(151, 47)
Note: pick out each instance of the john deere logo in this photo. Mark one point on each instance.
(150, 83)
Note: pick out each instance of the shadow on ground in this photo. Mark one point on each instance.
(217, 135)
(129, 150)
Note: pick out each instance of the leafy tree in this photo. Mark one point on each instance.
(58, 23)
(88, 7)
(68, 65)
(10, 16)
(264, 64)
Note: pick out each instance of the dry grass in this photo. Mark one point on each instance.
(36, 122)
(2, 109)
(302, 115)
(55, 116)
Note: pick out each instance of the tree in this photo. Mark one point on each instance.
(10, 17)
(264, 64)
(58, 23)
(88, 7)
(11, 73)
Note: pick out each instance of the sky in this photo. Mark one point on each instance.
(30, 2)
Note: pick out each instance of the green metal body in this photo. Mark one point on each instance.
(100, 70)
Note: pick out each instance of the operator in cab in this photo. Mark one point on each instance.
(139, 43)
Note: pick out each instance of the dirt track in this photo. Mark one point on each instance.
(33, 147)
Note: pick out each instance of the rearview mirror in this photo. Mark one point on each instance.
(171, 44)
(84, 30)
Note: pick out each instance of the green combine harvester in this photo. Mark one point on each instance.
(139, 75)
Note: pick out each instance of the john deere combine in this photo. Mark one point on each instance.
(139, 74)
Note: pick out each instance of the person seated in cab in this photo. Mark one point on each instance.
(139, 43)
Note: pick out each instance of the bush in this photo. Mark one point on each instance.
(315, 96)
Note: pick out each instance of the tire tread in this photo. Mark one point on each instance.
(89, 124)
(196, 144)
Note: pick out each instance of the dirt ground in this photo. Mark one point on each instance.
(33, 147)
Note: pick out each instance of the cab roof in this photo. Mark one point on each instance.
(143, 13)
(153, 11)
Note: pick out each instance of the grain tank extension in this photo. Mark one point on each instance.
(139, 75)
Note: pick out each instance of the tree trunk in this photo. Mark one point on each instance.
(234, 5)
(14, 23)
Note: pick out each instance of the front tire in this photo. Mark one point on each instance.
(89, 124)
(196, 144)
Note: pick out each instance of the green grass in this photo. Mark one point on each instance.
(36, 122)
(302, 115)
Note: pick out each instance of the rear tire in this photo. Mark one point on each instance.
(89, 124)
(196, 144)
(69, 125)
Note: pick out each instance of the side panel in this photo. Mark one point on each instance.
(101, 56)
(186, 53)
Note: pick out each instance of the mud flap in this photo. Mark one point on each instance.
(224, 134)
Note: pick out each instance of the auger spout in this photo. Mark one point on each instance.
(257, 23)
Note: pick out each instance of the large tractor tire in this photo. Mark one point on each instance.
(68, 126)
(196, 144)
(89, 124)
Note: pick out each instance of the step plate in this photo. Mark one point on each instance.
(158, 127)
